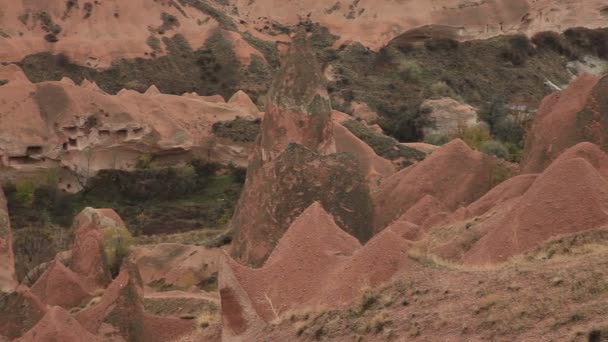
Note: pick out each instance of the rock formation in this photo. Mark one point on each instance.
(20, 310)
(88, 254)
(315, 262)
(447, 116)
(294, 165)
(455, 174)
(177, 267)
(58, 325)
(8, 281)
(570, 196)
(60, 286)
(125, 28)
(565, 119)
(86, 130)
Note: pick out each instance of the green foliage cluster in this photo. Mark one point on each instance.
(25, 192)
(150, 200)
(495, 148)
(475, 137)
(117, 244)
(144, 161)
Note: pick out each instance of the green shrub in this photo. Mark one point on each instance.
(117, 243)
(144, 161)
(499, 174)
(518, 51)
(437, 139)
(25, 190)
(508, 130)
(3, 82)
(441, 44)
(409, 70)
(554, 41)
(442, 89)
(239, 130)
(495, 148)
(475, 137)
(516, 152)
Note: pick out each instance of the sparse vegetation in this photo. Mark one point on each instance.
(240, 130)
(169, 22)
(383, 145)
(495, 148)
(117, 243)
(475, 137)
(437, 139)
(144, 161)
(24, 192)
(368, 298)
(154, 43)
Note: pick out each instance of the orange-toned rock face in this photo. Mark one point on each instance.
(375, 22)
(53, 124)
(293, 166)
(454, 174)
(7, 258)
(569, 197)
(58, 325)
(20, 310)
(60, 286)
(98, 33)
(88, 256)
(315, 263)
(121, 306)
(299, 109)
(565, 119)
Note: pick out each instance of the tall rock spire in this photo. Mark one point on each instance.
(294, 163)
(298, 106)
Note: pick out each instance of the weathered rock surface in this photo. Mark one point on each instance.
(173, 267)
(58, 124)
(293, 164)
(100, 33)
(20, 310)
(60, 286)
(314, 263)
(448, 116)
(88, 254)
(455, 174)
(566, 118)
(58, 325)
(570, 196)
(8, 280)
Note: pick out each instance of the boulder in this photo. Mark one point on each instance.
(448, 116)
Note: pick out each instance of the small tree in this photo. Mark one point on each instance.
(25, 190)
(495, 148)
(117, 244)
(475, 137)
